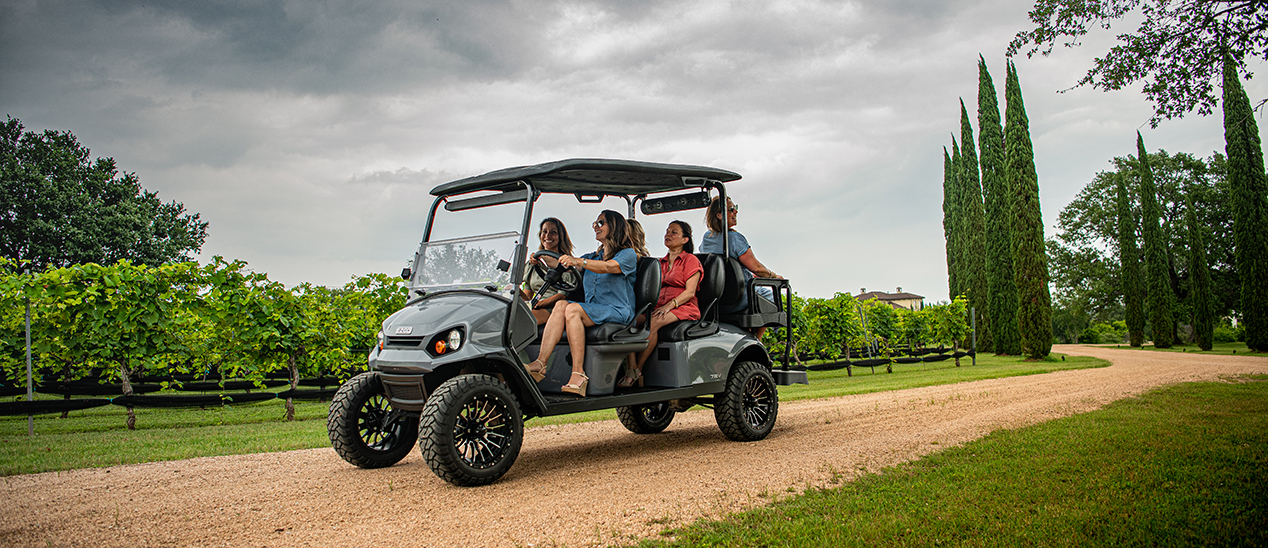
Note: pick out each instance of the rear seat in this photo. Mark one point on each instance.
(760, 312)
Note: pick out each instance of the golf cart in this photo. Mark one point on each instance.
(449, 366)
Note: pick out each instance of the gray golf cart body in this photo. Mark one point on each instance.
(449, 368)
(499, 328)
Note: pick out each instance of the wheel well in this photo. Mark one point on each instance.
(483, 365)
(755, 353)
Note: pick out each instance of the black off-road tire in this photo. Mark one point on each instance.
(471, 430)
(646, 419)
(750, 405)
(363, 427)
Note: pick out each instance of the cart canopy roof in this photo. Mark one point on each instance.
(592, 176)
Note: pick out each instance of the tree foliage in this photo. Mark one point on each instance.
(58, 207)
(1177, 49)
(1087, 273)
(972, 229)
(179, 318)
(1203, 312)
(1001, 307)
(1129, 265)
(1158, 294)
(1030, 259)
(1249, 189)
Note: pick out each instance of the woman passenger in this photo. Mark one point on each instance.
(638, 239)
(608, 277)
(720, 223)
(553, 237)
(680, 274)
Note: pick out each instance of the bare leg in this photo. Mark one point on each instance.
(541, 315)
(554, 329)
(658, 321)
(576, 322)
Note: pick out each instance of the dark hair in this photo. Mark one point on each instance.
(618, 234)
(711, 220)
(686, 233)
(565, 243)
(638, 238)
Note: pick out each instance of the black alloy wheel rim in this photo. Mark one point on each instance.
(757, 402)
(655, 412)
(378, 425)
(483, 432)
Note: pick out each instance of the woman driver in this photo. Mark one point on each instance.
(608, 277)
(553, 237)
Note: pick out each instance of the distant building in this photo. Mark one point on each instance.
(898, 299)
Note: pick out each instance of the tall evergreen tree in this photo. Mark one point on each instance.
(958, 241)
(1129, 265)
(1001, 288)
(1030, 258)
(1247, 181)
(974, 231)
(948, 218)
(1203, 311)
(1157, 274)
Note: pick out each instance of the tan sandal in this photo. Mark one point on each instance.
(537, 373)
(631, 377)
(578, 389)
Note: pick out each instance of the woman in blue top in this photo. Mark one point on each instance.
(739, 250)
(608, 277)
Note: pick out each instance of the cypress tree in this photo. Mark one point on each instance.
(948, 218)
(1157, 275)
(1249, 187)
(1129, 265)
(1001, 288)
(974, 269)
(960, 281)
(1030, 259)
(1203, 312)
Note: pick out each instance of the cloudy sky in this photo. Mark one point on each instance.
(309, 134)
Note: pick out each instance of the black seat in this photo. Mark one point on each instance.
(708, 296)
(758, 312)
(646, 291)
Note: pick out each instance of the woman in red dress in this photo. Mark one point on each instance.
(680, 274)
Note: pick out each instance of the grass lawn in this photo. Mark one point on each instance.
(1227, 349)
(97, 437)
(1181, 466)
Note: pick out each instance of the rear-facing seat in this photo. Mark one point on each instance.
(760, 311)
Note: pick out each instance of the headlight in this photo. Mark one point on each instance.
(447, 342)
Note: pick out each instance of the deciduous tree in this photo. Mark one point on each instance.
(1177, 49)
(58, 207)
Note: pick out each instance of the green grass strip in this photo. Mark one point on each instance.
(1182, 466)
(1221, 349)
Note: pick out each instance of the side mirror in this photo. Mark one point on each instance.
(405, 273)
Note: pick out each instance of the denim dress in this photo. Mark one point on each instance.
(610, 297)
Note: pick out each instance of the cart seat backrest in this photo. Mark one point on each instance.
(646, 285)
(732, 287)
(712, 284)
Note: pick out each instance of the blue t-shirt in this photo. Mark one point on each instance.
(712, 243)
(610, 297)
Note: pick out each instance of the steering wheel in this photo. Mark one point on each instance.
(553, 277)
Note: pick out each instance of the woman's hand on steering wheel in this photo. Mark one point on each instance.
(556, 281)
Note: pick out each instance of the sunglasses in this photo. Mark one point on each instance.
(599, 223)
(734, 208)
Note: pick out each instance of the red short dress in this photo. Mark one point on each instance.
(673, 281)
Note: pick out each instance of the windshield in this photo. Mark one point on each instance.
(476, 262)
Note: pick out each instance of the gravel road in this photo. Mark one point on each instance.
(575, 485)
